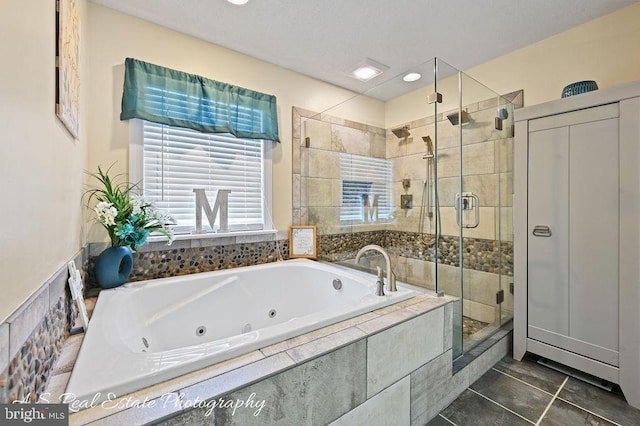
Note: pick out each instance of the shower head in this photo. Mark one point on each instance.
(454, 118)
(429, 143)
(401, 132)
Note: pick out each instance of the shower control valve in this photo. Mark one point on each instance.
(465, 201)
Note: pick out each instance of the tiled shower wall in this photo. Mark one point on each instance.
(318, 140)
(317, 187)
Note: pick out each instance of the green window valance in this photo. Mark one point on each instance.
(166, 96)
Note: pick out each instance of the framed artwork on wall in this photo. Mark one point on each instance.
(68, 65)
(302, 242)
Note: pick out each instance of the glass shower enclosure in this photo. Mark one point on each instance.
(423, 169)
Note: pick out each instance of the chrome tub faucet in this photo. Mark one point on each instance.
(391, 277)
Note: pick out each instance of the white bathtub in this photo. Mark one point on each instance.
(148, 332)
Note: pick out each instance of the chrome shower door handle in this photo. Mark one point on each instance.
(467, 201)
(541, 231)
(477, 207)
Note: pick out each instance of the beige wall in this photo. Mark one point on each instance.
(114, 36)
(604, 49)
(41, 165)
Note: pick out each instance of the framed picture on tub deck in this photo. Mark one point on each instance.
(68, 65)
(302, 242)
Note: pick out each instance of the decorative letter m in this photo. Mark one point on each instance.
(370, 211)
(221, 205)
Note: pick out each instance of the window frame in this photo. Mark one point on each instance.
(136, 176)
(348, 177)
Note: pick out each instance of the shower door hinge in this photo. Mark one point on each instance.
(434, 97)
(499, 297)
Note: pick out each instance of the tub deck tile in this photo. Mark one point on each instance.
(415, 299)
(404, 304)
(325, 344)
(238, 378)
(387, 309)
(170, 386)
(385, 321)
(150, 412)
(317, 334)
(427, 305)
(56, 387)
(68, 356)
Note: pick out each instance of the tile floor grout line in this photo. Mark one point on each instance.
(522, 381)
(590, 412)
(501, 406)
(447, 420)
(552, 399)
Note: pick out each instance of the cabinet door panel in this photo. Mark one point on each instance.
(593, 230)
(548, 197)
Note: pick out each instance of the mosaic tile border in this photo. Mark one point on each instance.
(28, 372)
(480, 255)
(172, 262)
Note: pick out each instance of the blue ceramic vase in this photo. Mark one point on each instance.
(113, 266)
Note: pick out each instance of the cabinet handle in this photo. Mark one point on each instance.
(541, 231)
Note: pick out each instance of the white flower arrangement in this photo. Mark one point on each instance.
(126, 216)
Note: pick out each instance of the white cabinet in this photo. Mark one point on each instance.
(576, 187)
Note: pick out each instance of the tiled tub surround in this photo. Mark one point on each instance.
(169, 327)
(33, 336)
(393, 364)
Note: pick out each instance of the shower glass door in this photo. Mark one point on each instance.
(421, 169)
(474, 169)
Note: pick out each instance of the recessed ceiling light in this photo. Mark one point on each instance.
(412, 76)
(367, 69)
(238, 2)
(365, 73)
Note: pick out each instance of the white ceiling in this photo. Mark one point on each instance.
(324, 38)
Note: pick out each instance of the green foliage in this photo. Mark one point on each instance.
(126, 216)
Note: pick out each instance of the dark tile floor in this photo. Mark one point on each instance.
(516, 393)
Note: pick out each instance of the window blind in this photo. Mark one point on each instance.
(177, 160)
(364, 175)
